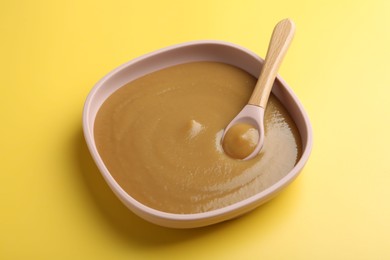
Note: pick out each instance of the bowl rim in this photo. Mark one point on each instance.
(158, 216)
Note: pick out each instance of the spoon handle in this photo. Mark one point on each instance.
(280, 41)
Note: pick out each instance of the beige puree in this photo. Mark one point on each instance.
(240, 140)
(160, 138)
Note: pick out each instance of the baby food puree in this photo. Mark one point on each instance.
(160, 138)
(240, 141)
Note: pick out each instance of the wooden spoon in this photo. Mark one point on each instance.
(253, 112)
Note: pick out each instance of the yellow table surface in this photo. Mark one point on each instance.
(54, 204)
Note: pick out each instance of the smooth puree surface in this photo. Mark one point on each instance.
(160, 138)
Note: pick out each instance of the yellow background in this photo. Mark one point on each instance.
(55, 205)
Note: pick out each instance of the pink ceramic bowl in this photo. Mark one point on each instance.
(183, 53)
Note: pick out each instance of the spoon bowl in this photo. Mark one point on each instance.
(252, 115)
